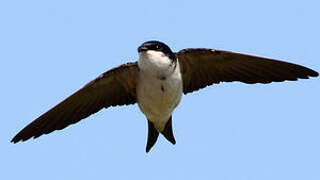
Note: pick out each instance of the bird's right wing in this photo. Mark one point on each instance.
(114, 87)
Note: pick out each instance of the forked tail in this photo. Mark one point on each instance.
(153, 134)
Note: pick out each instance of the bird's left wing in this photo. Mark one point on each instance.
(203, 67)
(114, 87)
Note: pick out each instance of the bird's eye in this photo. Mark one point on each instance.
(157, 47)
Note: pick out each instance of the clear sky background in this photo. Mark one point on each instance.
(49, 49)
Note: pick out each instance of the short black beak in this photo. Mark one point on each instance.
(142, 48)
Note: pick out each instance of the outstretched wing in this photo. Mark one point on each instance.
(203, 67)
(114, 87)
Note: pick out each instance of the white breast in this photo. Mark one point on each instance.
(157, 98)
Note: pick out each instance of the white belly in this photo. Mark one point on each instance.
(158, 98)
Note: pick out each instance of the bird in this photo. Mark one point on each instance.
(157, 81)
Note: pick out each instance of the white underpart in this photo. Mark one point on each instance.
(158, 98)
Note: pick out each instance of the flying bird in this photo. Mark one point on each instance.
(156, 83)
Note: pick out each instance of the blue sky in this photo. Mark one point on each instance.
(49, 49)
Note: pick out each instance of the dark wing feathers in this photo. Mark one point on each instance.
(199, 67)
(203, 67)
(114, 87)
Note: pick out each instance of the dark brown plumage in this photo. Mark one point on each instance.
(199, 68)
(203, 67)
(109, 89)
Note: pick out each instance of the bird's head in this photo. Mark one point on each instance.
(152, 47)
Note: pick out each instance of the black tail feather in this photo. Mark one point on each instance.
(168, 132)
(152, 136)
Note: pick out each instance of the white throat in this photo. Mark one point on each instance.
(155, 63)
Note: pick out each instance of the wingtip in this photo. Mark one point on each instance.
(315, 74)
(19, 138)
(310, 72)
(14, 140)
